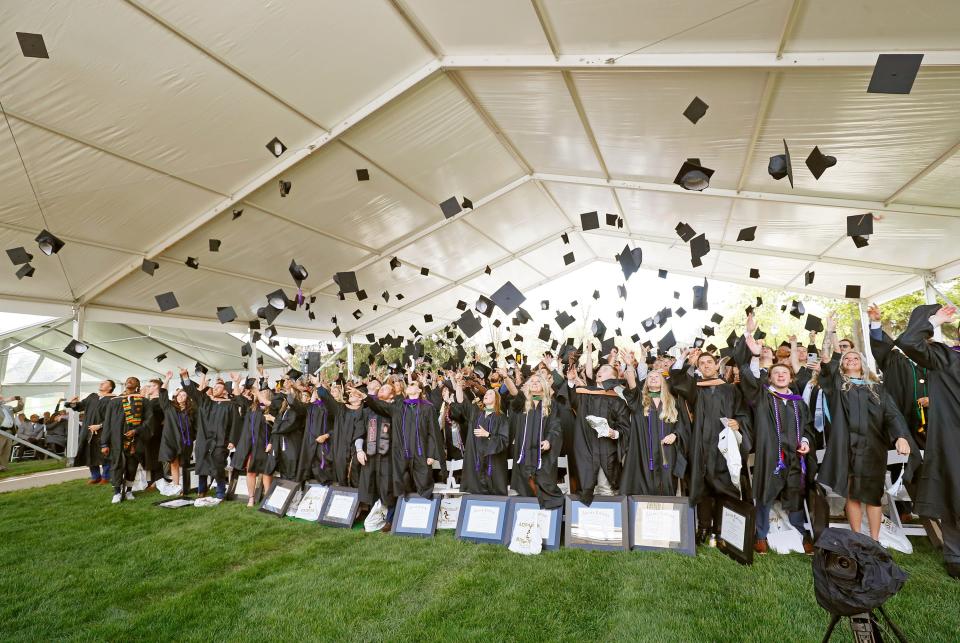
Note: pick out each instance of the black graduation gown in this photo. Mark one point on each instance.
(560, 406)
(376, 476)
(253, 440)
(905, 382)
(347, 429)
(708, 473)
(651, 468)
(316, 460)
(216, 423)
(938, 484)
(485, 468)
(595, 453)
(287, 436)
(112, 434)
(771, 481)
(414, 437)
(179, 431)
(151, 453)
(530, 428)
(863, 428)
(93, 407)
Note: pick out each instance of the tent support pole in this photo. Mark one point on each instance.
(76, 374)
(350, 356)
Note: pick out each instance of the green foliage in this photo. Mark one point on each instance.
(78, 568)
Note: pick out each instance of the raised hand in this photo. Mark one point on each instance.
(944, 316)
(873, 312)
(751, 324)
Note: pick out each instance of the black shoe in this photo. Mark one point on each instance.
(953, 569)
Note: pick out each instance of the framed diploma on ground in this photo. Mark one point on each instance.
(341, 507)
(599, 526)
(449, 510)
(237, 488)
(416, 516)
(549, 520)
(662, 523)
(278, 498)
(312, 503)
(737, 530)
(483, 519)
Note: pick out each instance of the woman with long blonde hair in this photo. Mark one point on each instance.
(537, 441)
(865, 422)
(486, 436)
(656, 442)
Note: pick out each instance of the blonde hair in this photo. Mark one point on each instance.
(668, 403)
(872, 379)
(546, 391)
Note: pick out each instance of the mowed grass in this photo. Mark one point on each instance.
(77, 568)
(30, 466)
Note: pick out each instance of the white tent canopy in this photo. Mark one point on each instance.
(146, 128)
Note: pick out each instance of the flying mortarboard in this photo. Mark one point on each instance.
(149, 266)
(466, 204)
(484, 306)
(192, 262)
(564, 319)
(285, 188)
(298, 272)
(469, 324)
(598, 329)
(747, 234)
(894, 73)
(808, 277)
(667, 342)
(346, 281)
(565, 237)
(363, 174)
(226, 314)
(19, 256)
(818, 162)
(695, 110)
(394, 263)
(662, 273)
(630, 260)
(622, 292)
(796, 309)
(813, 323)
(76, 348)
(32, 45)
(276, 147)
(681, 311)
(26, 270)
(214, 245)
(507, 298)
(167, 301)
(700, 296)
(781, 165)
(237, 213)
(693, 176)
(754, 273)
(160, 357)
(357, 314)
(852, 292)
(708, 331)
(425, 272)
(487, 270)
(699, 247)
(450, 207)
(684, 231)
(589, 221)
(568, 259)
(545, 304)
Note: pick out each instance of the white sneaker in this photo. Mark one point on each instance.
(116, 499)
(128, 496)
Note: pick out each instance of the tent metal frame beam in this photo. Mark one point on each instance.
(698, 60)
(940, 160)
(770, 197)
(112, 354)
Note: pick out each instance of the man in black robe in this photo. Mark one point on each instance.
(88, 447)
(124, 436)
(347, 428)
(938, 487)
(217, 416)
(373, 455)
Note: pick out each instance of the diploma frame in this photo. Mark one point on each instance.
(333, 492)
(550, 541)
(280, 511)
(471, 502)
(619, 506)
(427, 532)
(688, 527)
(323, 505)
(740, 552)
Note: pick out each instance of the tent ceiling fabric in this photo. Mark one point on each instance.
(141, 143)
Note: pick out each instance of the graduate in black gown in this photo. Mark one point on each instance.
(316, 453)
(179, 430)
(124, 436)
(938, 485)
(151, 458)
(414, 440)
(216, 418)
(695, 379)
(782, 433)
(287, 432)
(655, 458)
(537, 441)
(865, 422)
(88, 450)
(254, 449)
(595, 453)
(347, 420)
(486, 435)
(376, 461)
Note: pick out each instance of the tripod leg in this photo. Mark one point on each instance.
(833, 624)
(893, 626)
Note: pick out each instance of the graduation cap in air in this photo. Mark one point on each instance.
(336, 331)
(759, 301)
(754, 273)
(399, 296)
(796, 309)
(278, 299)
(565, 238)
(693, 176)
(290, 349)
(450, 207)
(662, 273)
(298, 272)
(237, 213)
(596, 294)
(544, 334)
(361, 295)
(685, 232)
(160, 357)
(612, 220)
(681, 311)
(425, 272)
(622, 292)
(48, 243)
(700, 296)
(428, 318)
(394, 263)
(313, 361)
(192, 262)
(214, 245)
(598, 329)
(522, 317)
(808, 277)
(246, 350)
(507, 298)
(76, 348)
(573, 304)
(346, 281)
(568, 259)
(662, 316)
(496, 323)
(167, 301)
(545, 304)
(699, 247)
(26, 270)
(563, 319)
(200, 369)
(226, 314)
(695, 110)
(149, 266)
(852, 292)
(466, 204)
(781, 165)
(814, 324)
(634, 338)
(285, 188)
(461, 305)
(698, 342)
(818, 162)
(589, 221)
(269, 332)
(859, 228)
(676, 295)
(484, 306)
(620, 315)
(747, 234)
(506, 344)
(648, 324)
(357, 314)
(759, 334)
(32, 45)
(276, 147)
(630, 260)
(469, 324)
(19, 256)
(363, 174)
(894, 73)
(732, 338)
(708, 331)
(481, 370)
(607, 346)
(667, 342)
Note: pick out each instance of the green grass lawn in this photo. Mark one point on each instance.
(76, 567)
(30, 466)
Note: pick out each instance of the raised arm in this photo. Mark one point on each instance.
(932, 355)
